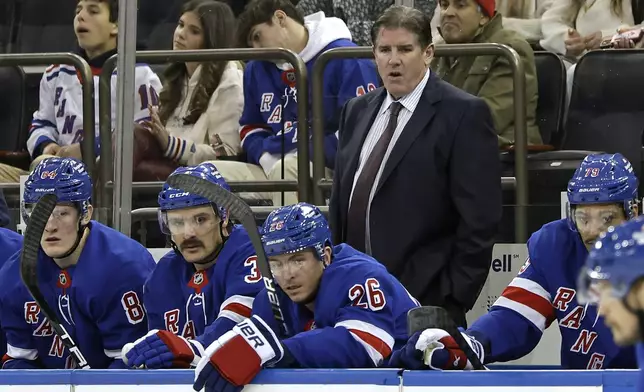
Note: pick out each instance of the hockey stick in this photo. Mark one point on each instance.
(29, 271)
(425, 317)
(240, 210)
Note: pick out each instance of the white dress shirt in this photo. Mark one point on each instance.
(409, 103)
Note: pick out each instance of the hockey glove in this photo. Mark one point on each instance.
(234, 359)
(162, 349)
(440, 351)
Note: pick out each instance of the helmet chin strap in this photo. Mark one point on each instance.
(639, 313)
(213, 255)
(79, 236)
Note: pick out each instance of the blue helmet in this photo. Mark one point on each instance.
(617, 257)
(174, 199)
(64, 177)
(603, 178)
(293, 228)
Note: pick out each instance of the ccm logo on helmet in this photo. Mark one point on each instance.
(589, 190)
(175, 195)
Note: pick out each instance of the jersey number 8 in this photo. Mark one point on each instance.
(133, 308)
(368, 296)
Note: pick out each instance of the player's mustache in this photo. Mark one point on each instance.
(191, 243)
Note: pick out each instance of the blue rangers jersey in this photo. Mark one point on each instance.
(269, 119)
(544, 291)
(10, 243)
(640, 361)
(190, 303)
(97, 301)
(59, 117)
(360, 315)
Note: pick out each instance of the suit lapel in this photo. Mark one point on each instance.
(422, 115)
(360, 132)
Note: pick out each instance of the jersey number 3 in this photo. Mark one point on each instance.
(368, 296)
(254, 275)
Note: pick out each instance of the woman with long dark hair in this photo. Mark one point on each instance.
(201, 102)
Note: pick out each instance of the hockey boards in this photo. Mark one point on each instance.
(425, 317)
(243, 213)
(29, 272)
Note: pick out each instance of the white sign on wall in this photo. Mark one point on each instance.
(507, 259)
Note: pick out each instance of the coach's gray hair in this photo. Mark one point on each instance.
(408, 18)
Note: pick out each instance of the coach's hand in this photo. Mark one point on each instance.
(162, 349)
(234, 359)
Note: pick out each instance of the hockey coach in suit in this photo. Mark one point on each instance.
(417, 179)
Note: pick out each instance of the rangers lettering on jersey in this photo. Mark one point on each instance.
(59, 118)
(543, 292)
(96, 301)
(209, 302)
(269, 120)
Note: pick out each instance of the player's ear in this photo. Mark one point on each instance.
(327, 255)
(224, 226)
(88, 215)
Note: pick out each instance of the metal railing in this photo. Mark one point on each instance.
(160, 57)
(87, 84)
(520, 127)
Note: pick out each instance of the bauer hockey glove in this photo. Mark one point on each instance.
(162, 349)
(436, 349)
(234, 359)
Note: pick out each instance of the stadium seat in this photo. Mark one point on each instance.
(551, 74)
(7, 8)
(605, 115)
(160, 37)
(46, 26)
(606, 111)
(157, 21)
(12, 127)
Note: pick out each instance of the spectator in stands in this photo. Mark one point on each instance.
(269, 120)
(488, 77)
(572, 27)
(56, 128)
(358, 15)
(200, 105)
(522, 16)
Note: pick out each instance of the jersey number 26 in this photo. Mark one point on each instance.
(368, 296)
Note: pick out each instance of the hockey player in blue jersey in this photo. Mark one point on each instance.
(269, 120)
(613, 277)
(601, 193)
(200, 289)
(342, 308)
(10, 243)
(91, 275)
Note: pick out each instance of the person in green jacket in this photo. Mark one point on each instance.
(487, 77)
